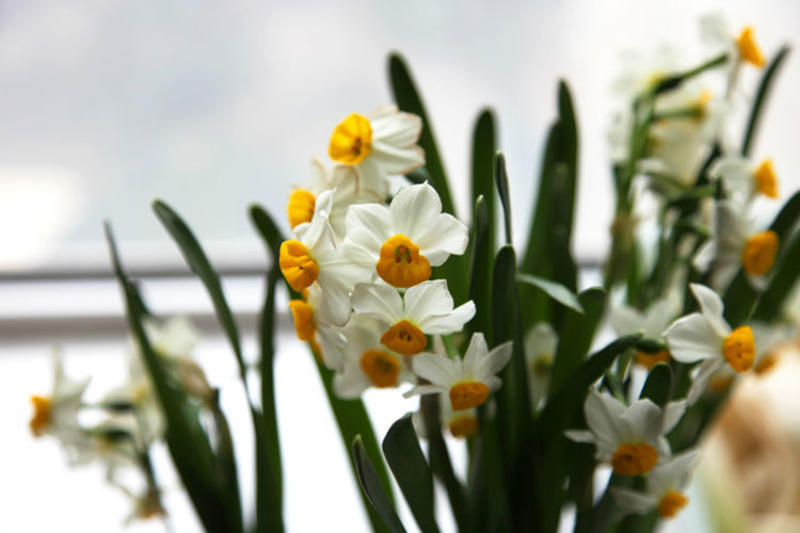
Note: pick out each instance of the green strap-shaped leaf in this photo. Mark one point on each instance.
(484, 146)
(575, 337)
(740, 296)
(408, 99)
(502, 190)
(269, 470)
(411, 471)
(217, 506)
(556, 291)
(761, 97)
(480, 289)
(371, 486)
(561, 407)
(658, 385)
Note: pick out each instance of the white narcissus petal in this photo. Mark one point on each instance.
(643, 420)
(324, 202)
(451, 322)
(334, 303)
(428, 298)
(381, 111)
(438, 369)
(659, 315)
(603, 414)
(700, 376)
(736, 174)
(359, 257)
(371, 175)
(579, 435)
(425, 389)
(446, 236)
(401, 130)
(368, 225)
(395, 160)
(331, 342)
(350, 384)
(377, 301)
(414, 210)
(714, 29)
(632, 501)
(496, 360)
(673, 412)
(711, 305)
(493, 382)
(692, 338)
(541, 339)
(477, 350)
(673, 474)
(625, 319)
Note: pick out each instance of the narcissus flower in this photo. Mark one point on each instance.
(57, 414)
(468, 381)
(540, 348)
(707, 337)
(424, 309)
(311, 324)
(367, 363)
(743, 179)
(742, 47)
(347, 190)
(735, 245)
(652, 322)
(629, 438)
(664, 490)
(403, 241)
(313, 256)
(381, 143)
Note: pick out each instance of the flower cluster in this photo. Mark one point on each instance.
(361, 263)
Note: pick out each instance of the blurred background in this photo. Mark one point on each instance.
(213, 106)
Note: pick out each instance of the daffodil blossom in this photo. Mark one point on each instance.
(313, 325)
(735, 244)
(403, 241)
(367, 363)
(460, 424)
(424, 309)
(664, 490)
(348, 190)
(715, 30)
(652, 322)
(466, 381)
(313, 256)
(707, 337)
(381, 143)
(540, 348)
(743, 179)
(630, 438)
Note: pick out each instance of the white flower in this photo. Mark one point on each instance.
(715, 30)
(382, 143)
(174, 341)
(460, 424)
(367, 363)
(707, 337)
(313, 256)
(347, 190)
(57, 414)
(743, 179)
(403, 241)
(467, 381)
(424, 309)
(664, 489)
(626, 319)
(630, 438)
(734, 245)
(311, 324)
(540, 348)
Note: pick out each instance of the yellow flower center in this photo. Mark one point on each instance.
(301, 207)
(766, 179)
(671, 502)
(649, 360)
(400, 264)
(749, 49)
(351, 140)
(405, 338)
(381, 367)
(468, 394)
(766, 364)
(42, 414)
(297, 266)
(303, 316)
(759, 253)
(740, 349)
(463, 426)
(634, 459)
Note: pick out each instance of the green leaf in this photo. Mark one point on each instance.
(556, 291)
(761, 97)
(740, 296)
(269, 469)
(563, 405)
(480, 289)
(575, 336)
(411, 471)
(658, 385)
(503, 192)
(484, 147)
(371, 485)
(217, 505)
